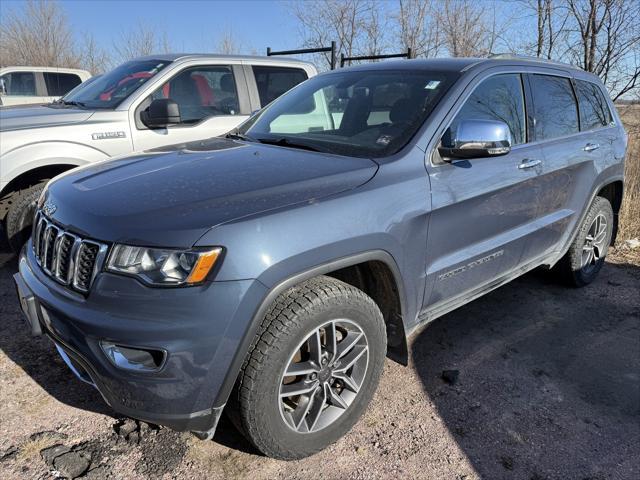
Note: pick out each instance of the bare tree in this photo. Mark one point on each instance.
(357, 26)
(468, 31)
(141, 41)
(94, 58)
(38, 34)
(607, 41)
(229, 43)
(417, 28)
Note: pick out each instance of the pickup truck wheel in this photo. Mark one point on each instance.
(585, 257)
(312, 370)
(20, 215)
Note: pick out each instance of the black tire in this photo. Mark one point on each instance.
(256, 404)
(20, 215)
(571, 267)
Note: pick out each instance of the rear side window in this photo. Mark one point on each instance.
(60, 83)
(202, 92)
(274, 81)
(497, 98)
(594, 110)
(19, 83)
(555, 110)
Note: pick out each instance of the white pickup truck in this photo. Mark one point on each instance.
(142, 104)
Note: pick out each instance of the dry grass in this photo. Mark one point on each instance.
(31, 449)
(630, 211)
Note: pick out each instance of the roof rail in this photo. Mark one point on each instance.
(517, 56)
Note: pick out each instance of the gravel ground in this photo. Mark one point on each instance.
(541, 382)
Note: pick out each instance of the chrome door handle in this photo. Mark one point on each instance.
(529, 164)
(590, 147)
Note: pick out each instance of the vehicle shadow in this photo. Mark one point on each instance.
(548, 377)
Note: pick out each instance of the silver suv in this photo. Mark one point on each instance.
(268, 273)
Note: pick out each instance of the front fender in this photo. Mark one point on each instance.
(41, 154)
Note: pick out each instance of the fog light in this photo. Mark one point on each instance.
(129, 358)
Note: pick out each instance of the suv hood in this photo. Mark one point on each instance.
(171, 198)
(40, 116)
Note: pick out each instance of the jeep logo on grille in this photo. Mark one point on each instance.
(49, 209)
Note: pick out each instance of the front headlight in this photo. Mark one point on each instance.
(163, 267)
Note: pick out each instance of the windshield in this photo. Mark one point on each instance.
(359, 113)
(110, 89)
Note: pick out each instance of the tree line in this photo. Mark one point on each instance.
(599, 36)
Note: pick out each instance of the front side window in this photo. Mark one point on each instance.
(555, 111)
(202, 92)
(359, 113)
(274, 81)
(594, 110)
(111, 89)
(499, 98)
(19, 83)
(60, 83)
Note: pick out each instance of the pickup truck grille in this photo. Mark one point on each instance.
(67, 258)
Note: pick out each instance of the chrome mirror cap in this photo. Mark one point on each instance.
(476, 139)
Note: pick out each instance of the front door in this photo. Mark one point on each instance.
(212, 101)
(482, 208)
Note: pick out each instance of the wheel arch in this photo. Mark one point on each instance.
(345, 269)
(29, 178)
(613, 192)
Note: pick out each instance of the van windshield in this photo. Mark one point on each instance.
(362, 113)
(112, 88)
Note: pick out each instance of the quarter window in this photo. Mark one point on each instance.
(19, 83)
(60, 83)
(594, 110)
(497, 98)
(555, 111)
(202, 92)
(274, 81)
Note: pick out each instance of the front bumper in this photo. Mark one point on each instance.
(200, 329)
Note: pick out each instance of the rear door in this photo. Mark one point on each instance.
(267, 82)
(482, 208)
(212, 98)
(568, 159)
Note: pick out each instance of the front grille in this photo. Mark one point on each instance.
(69, 259)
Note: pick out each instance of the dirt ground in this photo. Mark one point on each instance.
(548, 387)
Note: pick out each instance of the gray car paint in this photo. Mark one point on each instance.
(301, 214)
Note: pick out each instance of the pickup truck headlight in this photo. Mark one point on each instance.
(163, 267)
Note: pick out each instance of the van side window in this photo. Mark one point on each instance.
(60, 83)
(555, 110)
(274, 81)
(594, 110)
(20, 83)
(202, 92)
(497, 98)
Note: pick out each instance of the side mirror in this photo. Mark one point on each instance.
(161, 113)
(476, 139)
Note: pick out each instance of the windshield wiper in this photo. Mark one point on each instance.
(239, 136)
(286, 142)
(70, 103)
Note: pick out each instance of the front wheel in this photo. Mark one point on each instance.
(585, 257)
(312, 370)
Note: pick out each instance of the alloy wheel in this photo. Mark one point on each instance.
(595, 243)
(323, 376)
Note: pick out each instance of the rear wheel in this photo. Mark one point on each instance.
(20, 215)
(312, 370)
(585, 257)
